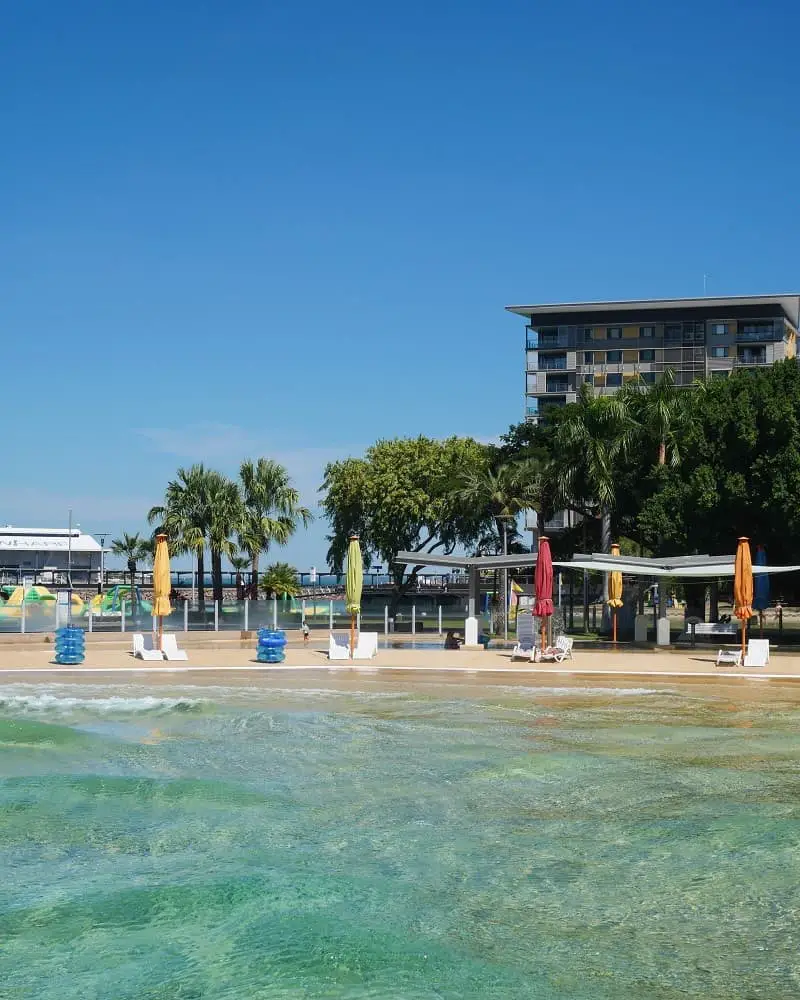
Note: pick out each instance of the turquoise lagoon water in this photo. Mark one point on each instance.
(502, 843)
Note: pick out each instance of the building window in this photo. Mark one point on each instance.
(719, 329)
(614, 380)
(752, 356)
(648, 355)
(673, 331)
(552, 362)
(584, 333)
(717, 351)
(589, 379)
(614, 357)
(588, 357)
(647, 331)
(648, 377)
(614, 333)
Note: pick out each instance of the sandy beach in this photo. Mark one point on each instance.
(35, 661)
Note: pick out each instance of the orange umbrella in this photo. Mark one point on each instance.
(743, 586)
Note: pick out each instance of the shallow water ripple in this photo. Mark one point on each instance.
(527, 843)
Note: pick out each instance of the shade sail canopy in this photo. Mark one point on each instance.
(599, 562)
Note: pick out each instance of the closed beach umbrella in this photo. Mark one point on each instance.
(743, 586)
(614, 592)
(354, 582)
(161, 584)
(760, 586)
(543, 581)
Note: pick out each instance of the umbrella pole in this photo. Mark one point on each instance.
(744, 629)
(761, 623)
(352, 636)
(614, 626)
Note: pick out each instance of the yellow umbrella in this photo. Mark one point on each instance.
(615, 592)
(743, 586)
(162, 584)
(354, 582)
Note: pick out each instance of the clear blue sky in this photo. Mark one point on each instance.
(220, 218)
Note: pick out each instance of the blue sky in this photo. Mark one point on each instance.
(218, 218)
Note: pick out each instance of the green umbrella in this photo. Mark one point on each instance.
(354, 581)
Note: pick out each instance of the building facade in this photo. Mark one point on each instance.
(44, 556)
(606, 344)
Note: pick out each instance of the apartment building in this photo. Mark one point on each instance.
(607, 344)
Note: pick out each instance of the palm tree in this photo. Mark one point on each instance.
(663, 412)
(239, 563)
(591, 436)
(184, 517)
(133, 549)
(501, 494)
(224, 521)
(271, 512)
(280, 579)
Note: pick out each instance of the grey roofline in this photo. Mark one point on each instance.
(789, 302)
(465, 562)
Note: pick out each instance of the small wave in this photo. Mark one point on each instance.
(46, 703)
(518, 689)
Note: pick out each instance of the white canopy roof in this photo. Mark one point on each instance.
(678, 566)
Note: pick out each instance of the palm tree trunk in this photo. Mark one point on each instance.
(132, 573)
(254, 577)
(216, 575)
(605, 546)
(201, 576)
(662, 453)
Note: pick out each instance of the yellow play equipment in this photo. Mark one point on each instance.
(37, 599)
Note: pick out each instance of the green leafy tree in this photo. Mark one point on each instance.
(185, 516)
(401, 497)
(740, 469)
(501, 493)
(133, 549)
(271, 511)
(280, 579)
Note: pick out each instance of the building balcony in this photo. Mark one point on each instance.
(552, 365)
(751, 359)
(543, 341)
(758, 336)
(559, 388)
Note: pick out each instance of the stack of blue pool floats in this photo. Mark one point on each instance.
(70, 644)
(271, 643)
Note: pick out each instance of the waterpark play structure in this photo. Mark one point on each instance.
(39, 600)
(110, 604)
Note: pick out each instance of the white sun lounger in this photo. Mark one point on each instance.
(143, 648)
(757, 653)
(367, 646)
(339, 646)
(733, 656)
(525, 647)
(170, 649)
(562, 650)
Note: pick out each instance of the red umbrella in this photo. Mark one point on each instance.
(543, 582)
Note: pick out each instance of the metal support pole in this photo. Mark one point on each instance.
(22, 615)
(302, 611)
(155, 624)
(413, 618)
(90, 616)
(505, 582)
(274, 612)
(122, 614)
(216, 616)
(185, 616)
(440, 619)
(331, 616)
(386, 619)
(247, 613)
